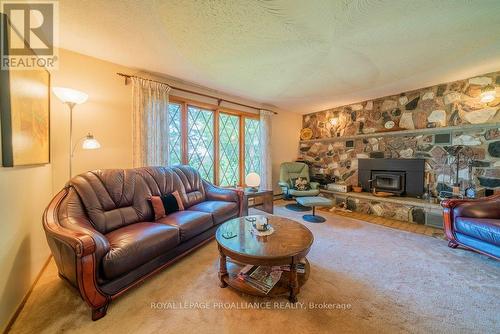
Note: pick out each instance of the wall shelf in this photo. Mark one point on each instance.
(453, 129)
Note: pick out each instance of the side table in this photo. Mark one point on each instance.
(265, 195)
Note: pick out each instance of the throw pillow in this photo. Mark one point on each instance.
(179, 200)
(301, 184)
(172, 202)
(157, 205)
(163, 205)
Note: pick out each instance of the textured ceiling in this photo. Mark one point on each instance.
(297, 55)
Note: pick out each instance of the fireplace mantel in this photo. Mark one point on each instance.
(427, 131)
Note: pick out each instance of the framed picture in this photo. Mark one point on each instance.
(25, 113)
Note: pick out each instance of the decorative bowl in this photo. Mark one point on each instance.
(357, 189)
(382, 194)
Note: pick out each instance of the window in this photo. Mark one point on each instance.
(229, 150)
(174, 129)
(222, 144)
(252, 146)
(200, 124)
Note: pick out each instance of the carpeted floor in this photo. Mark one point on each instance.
(394, 282)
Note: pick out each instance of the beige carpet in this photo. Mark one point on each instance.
(395, 282)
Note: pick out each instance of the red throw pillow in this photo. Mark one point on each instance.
(179, 200)
(158, 208)
(169, 203)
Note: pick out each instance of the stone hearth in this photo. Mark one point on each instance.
(372, 129)
(405, 126)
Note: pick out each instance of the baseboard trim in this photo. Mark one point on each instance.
(25, 299)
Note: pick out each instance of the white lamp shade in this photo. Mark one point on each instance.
(488, 96)
(252, 180)
(68, 95)
(334, 121)
(90, 143)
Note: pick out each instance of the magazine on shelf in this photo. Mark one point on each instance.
(262, 278)
(301, 267)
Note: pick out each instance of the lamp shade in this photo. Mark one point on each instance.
(90, 143)
(252, 180)
(334, 121)
(68, 95)
(488, 94)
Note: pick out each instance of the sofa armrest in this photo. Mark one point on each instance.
(78, 232)
(487, 207)
(77, 249)
(283, 184)
(314, 185)
(215, 193)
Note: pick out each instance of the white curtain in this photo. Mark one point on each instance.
(150, 123)
(265, 147)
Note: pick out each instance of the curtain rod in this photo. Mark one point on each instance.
(128, 76)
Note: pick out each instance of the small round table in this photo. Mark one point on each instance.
(287, 245)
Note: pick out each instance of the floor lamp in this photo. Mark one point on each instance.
(71, 98)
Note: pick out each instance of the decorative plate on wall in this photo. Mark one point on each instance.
(306, 134)
(389, 124)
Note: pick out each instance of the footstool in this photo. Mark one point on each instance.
(314, 202)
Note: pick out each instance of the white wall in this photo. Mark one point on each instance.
(284, 142)
(107, 114)
(24, 194)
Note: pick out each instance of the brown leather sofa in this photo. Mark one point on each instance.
(473, 224)
(102, 234)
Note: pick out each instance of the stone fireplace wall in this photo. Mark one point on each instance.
(455, 106)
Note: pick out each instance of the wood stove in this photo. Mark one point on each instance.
(398, 176)
(389, 181)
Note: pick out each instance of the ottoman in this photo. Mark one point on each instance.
(314, 202)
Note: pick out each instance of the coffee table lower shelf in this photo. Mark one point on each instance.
(281, 288)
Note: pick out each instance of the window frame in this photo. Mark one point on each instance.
(185, 103)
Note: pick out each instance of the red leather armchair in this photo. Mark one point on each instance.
(473, 224)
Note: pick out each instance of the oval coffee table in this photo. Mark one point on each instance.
(289, 243)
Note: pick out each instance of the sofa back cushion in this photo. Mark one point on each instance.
(192, 182)
(488, 207)
(113, 198)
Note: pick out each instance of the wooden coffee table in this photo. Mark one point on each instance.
(289, 244)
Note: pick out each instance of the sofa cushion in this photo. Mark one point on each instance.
(482, 246)
(480, 228)
(190, 223)
(136, 244)
(221, 211)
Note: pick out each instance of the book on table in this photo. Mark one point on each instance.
(264, 278)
